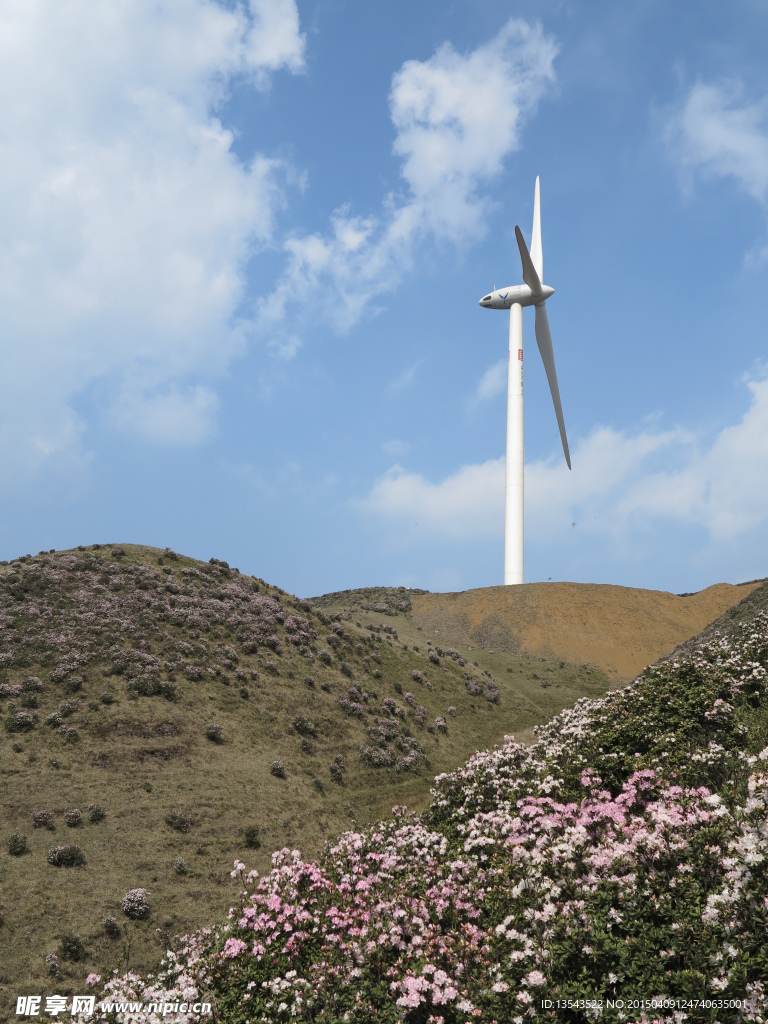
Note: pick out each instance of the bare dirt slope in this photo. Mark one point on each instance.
(618, 629)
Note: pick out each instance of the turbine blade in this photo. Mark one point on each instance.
(530, 276)
(544, 341)
(537, 257)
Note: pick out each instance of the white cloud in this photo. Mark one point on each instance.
(405, 379)
(717, 134)
(176, 415)
(492, 383)
(127, 219)
(457, 118)
(621, 486)
(469, 503)
(396, 448)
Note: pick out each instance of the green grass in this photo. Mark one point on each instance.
(142, 758)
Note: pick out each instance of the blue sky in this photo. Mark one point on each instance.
(241, 252)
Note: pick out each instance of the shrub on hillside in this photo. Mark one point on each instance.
(492, 694)
(17, 844)
(326, 657)
(53, 720)
(277, 768)
(66, 856)
(112, 927)
(337, 769)
(351, 706)
(43, 819)
(179, 866)
(433, 656)
(420, 715)
(96, 813)
(70, 733)
(214, 733)
(251, 837)
(71, 947)
(135, 904)
(20, 721)
(417, 676)
(303, 726)
(179, 821)
(73, 817)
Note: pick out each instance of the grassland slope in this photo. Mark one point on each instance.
(207, 715)
(618, 629)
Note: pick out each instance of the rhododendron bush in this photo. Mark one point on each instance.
(622, 856)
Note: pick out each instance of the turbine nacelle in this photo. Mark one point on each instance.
(502, 298)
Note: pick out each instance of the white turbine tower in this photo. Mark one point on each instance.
(533, 293)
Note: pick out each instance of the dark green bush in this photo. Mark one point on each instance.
(179, 821)
(251, 836)
(71, 948)
(17, 844)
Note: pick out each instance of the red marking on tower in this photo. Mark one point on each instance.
(520, 354)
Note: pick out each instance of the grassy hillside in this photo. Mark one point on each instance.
(162, 692)
(618, 629)
(617, 869)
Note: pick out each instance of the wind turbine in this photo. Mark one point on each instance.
(533, 293)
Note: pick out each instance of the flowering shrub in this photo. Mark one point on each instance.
(43, 819)
(623, 854)
(20, 721)
(492, 694)
(111, 927)
(337, 769)
(135, 904)
(73, 817)
(351, 706)
(66, 856)
(179, 821)
(277, 768)
(180, 866)
(303, 726)
(214, 733)
(96, 813)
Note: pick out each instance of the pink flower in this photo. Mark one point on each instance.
(93, 979)
(233, 947)
(535, 978)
